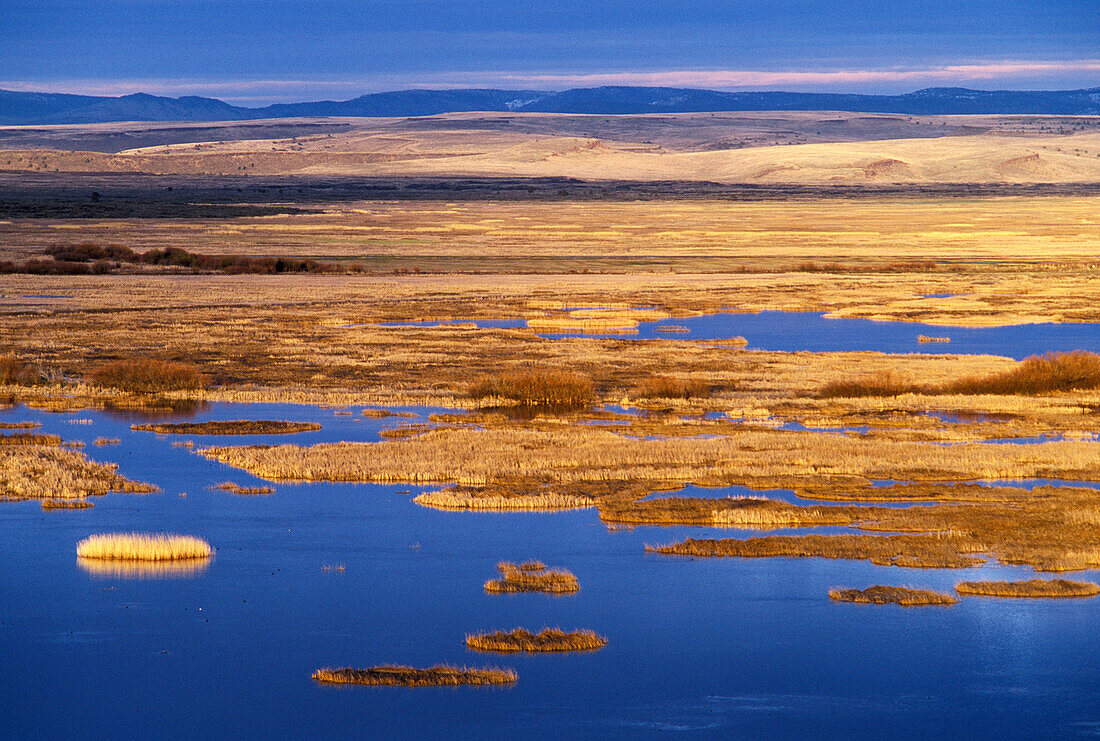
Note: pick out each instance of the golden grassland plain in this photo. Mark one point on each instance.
(406, 676)
(548, 640)
(1041, 588)
(143, 547)
(881, 595)
(532, 576)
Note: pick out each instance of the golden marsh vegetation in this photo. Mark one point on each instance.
(881, 595)
(143, 547)
(548, 640)
(406, 676)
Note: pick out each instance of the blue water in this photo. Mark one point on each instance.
(813, 332)
(702, 648)
(807, 331)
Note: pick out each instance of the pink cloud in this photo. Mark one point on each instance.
(764, 78)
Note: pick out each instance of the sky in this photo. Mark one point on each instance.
(253, 52)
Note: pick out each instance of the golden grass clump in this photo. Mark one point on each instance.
(406, 676)
(1038, 374)
(925, 339)
(746, 512)
(880, 595)
(143, 547)
(882, 383)
(549, 387)
(147, 375)
(532, 576)
(101, 441)
(548, 640)
(230, 427)
(666, 387)
(498, 503)
(1040, 588)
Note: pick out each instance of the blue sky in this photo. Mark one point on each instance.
(258, 51)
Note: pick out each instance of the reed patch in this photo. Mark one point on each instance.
(883, 595)
(532, 576)
(143, 547)
(541, 387)
(440, 675)
(229, 427)
(147, 375)
(1033, 588)
(548, 640)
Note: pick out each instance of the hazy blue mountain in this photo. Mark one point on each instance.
(45, 108)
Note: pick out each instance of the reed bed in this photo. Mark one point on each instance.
(103, 441)
(914, 551)
(590, 325)
(881, 595)
(551, 640)
(143, 547)
(440, 675)
(147, 375)
(1039, 374)
(37, 472)
(746, 512)
(497, 503)
(19, 425)
(230, 427)
(550, 387)
(666, 387)
(925, 339)
(234, 488)
(17, 372)
(28, 438)
(532, 576)
(1036, 588)
(881, 383)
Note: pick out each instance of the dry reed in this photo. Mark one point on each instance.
(550, 387)
(496, 503)
(230, 427)
(146, 375)
(235, 488)
(51, 504)
(532, 576)
(1040, 588)
(143, 547)
(548, 640)
(881, 595)
(666, 387)
(407, 676)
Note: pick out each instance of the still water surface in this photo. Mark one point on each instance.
(698, 648)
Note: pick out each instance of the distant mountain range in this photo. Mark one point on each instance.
(18, 108)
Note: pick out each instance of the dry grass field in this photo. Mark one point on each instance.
(585, 224)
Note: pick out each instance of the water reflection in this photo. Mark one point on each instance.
(109, 569)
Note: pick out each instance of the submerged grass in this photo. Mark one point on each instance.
(548, 640)
(235, 488)
(882, 595)
(1042, 588)
(143, 547)
(532, 576)
(440, 675)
